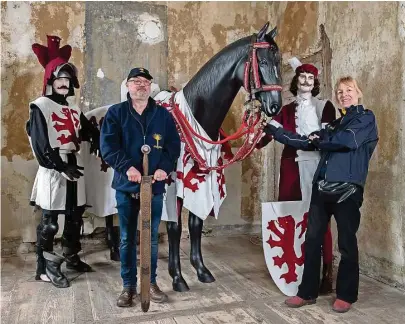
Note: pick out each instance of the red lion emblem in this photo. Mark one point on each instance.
(286, 243)
(69, 124)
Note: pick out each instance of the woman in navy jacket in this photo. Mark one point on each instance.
(346, 146)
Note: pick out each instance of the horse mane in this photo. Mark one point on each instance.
(204, 80)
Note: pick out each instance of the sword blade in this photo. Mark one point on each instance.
(145, 240)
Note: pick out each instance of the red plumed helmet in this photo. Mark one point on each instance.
(55, 60)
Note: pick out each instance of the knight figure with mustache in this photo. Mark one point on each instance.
(305, 115)
(56, 128)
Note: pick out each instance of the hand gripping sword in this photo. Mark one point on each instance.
(145, 243)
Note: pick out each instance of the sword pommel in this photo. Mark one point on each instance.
(145, 149)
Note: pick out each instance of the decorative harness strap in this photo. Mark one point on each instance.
(251, 80)
(252, 127)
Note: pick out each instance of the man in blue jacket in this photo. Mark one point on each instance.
(126, 128)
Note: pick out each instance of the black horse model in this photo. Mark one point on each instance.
(210, 94)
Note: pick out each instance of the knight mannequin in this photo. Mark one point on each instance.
(306, 114)
(55, 129)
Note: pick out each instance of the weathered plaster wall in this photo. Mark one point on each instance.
(24, 23)
(120, 36)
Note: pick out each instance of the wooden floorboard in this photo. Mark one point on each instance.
(242, 293)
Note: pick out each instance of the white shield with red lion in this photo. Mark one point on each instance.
(283, 228)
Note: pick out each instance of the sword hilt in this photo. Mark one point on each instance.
(145, 149)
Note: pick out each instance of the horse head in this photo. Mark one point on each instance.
(262, 71)
(252, 62)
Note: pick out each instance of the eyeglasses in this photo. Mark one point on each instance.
(139, 82)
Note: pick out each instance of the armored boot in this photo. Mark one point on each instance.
(73, 261)
(327, 279)
(53, 263)
(71, 241)
(41, 266)
(46, 231)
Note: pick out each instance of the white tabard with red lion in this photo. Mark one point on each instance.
(63, 123)
(202, 192)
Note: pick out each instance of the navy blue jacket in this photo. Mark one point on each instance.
(346, 146)
(123, 134)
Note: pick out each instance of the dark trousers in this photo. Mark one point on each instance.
(347, 215)
(128, 212)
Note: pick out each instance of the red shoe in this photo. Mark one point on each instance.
(296, 302)
(340, 306)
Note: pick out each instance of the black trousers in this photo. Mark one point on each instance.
(347, 215)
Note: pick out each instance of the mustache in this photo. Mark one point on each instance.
(63, 87)
(305, 84)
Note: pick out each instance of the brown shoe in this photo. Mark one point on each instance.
(296, 302)
(340, 306)
(156, 295)
(125, 299)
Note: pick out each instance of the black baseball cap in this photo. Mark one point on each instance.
(139, 71)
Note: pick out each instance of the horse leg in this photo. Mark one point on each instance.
(174, 233)
(195, 225)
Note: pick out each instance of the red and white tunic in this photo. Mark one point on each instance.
(62, 127)
(297, 167)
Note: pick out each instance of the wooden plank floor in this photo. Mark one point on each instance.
(243, 293)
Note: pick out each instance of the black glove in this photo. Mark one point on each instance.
(270, 129)
(72, 171)
(315, 142)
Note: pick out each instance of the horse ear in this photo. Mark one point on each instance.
(273, 33)
(262, 32)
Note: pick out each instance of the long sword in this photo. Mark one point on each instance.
(145, 242)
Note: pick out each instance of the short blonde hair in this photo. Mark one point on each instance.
(349, 81)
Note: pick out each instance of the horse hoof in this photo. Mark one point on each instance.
(180, 285)
(205, 276)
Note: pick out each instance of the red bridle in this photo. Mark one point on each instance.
(251, 78)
